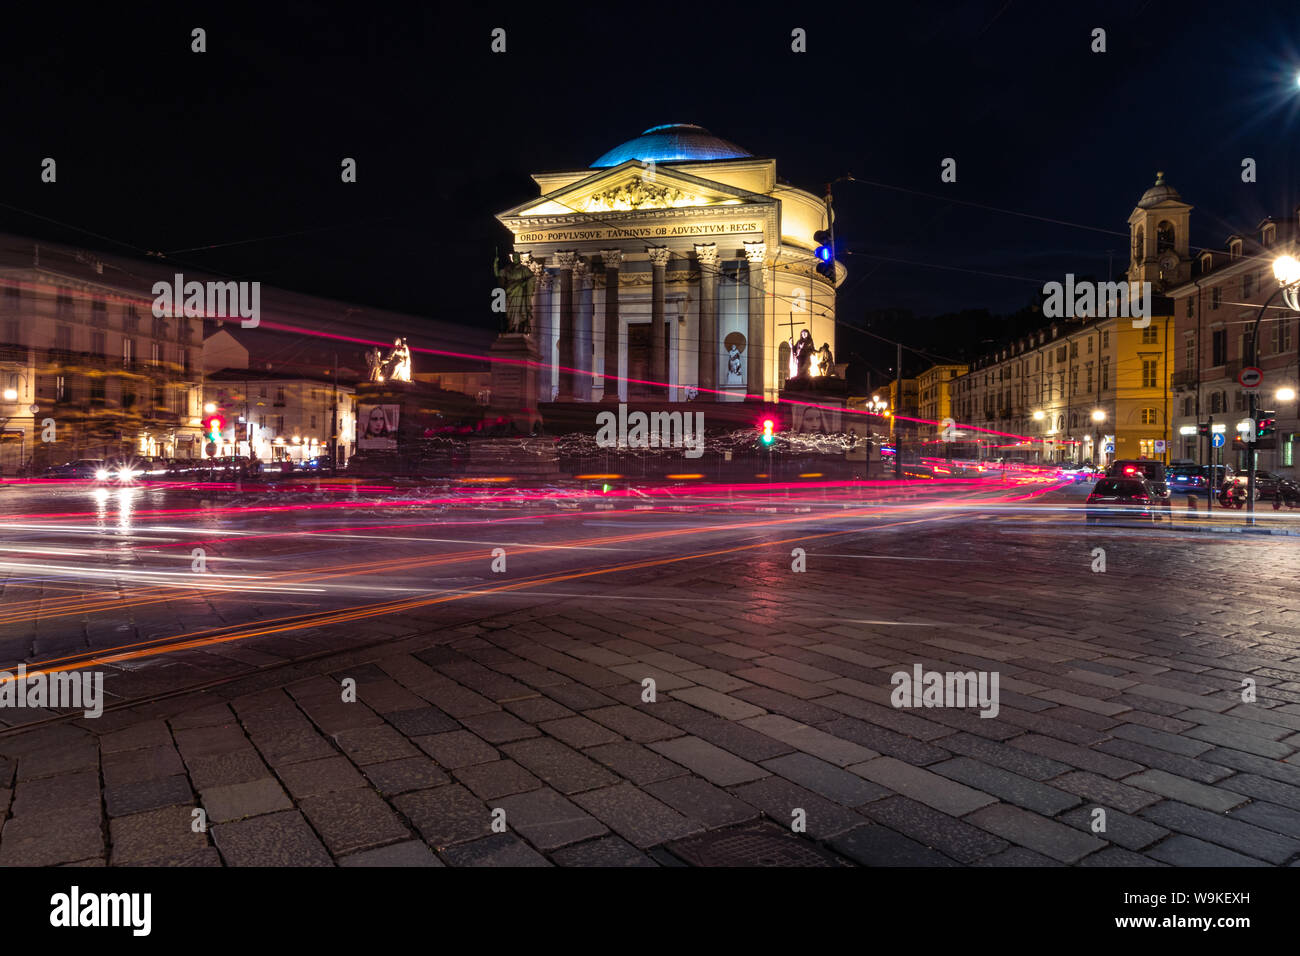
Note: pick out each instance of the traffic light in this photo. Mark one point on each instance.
(769, 432)
(213, 426)
(1265, 424)
(825, 253)
(1202, 428)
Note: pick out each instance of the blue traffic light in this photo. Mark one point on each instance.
(823, 253)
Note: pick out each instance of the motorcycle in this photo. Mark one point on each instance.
(1233, 495)
(1288, 493)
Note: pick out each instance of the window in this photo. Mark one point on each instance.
(186, 361)
(1089, 345)
(1247, 346)
(1148, 416)
(1281, 336)
(98, 347)
(313, 421)
(1239, 402)
(1088, 387)
(1187, 407)
(1074, 350)
(64, 305)
(98, 312)
(1190, 357)
(63, 338)
(1248, 285)
(1105, 340)
(279, 395)
(1234, 249)
(1139, 244)
(60, 388)
(1149, 335)
(1147, 447)
(159, 328)
(1149, 372)
(1074, 380)
(128, 352)
(1060, 354)
(1269, 235)
(97, 390)
(1105, 375)
(1074, 419)
(1191, 307)
(159, 399)
(155, 353)
(1216, 297)
(1219, 347)
(1216, 402)
(130, 320)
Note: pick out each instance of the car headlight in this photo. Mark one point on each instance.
(101, 475)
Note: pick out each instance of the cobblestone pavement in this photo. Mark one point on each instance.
(1120, 691)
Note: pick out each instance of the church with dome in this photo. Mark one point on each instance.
(676, 267)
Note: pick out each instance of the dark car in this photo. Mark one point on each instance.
(1126, 499)
(1268, 487)
(1189, 478)
(81, 468)
(1152, 471)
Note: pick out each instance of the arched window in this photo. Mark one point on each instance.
(1139, 245)
(1060, 422)
(1148, 416)
(1164, 236)
(1074, 419)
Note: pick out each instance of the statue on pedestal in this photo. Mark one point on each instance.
(801, 354)
(518, 281)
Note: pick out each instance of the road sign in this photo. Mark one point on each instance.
(949, 430)
(1160, 446)
(1250, 377)
(1217, 439)
(1110, 448)
(211, 449)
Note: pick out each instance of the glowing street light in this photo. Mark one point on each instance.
(11, 394)
(1285, 394)
(1039, 416)
(1098, 416)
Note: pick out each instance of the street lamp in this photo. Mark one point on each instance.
(1038, 416)
(1285, 395)
(1286, 269)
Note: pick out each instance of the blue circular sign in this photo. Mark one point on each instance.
(1218, 439)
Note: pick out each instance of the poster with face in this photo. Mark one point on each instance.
(378, 427)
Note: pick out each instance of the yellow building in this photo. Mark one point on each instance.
(934, 397)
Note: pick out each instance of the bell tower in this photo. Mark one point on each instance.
(1158, 237)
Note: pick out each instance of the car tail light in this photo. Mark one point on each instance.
(1142, 500)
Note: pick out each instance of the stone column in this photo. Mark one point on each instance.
(613, 260)
(756, 347)
(658, 353)
(583, 320)
(545, 328)
(564, 378)
(707, 347)
(538, 267)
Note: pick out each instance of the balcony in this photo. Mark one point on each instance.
(15, 353)
(1183, 379)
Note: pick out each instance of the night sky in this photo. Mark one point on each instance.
(162, 149)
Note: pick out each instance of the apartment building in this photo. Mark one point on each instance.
(84, 361)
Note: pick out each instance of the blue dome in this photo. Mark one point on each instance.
(672, 142)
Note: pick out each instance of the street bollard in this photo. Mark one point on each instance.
(1191, 506)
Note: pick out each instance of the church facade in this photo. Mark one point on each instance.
(676, 267)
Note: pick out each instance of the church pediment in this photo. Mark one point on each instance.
(634, 187)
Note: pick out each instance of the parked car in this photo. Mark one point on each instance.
(81, 468)
(1129, 498)
(1268, 487)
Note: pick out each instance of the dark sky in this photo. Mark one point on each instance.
(162, 149)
